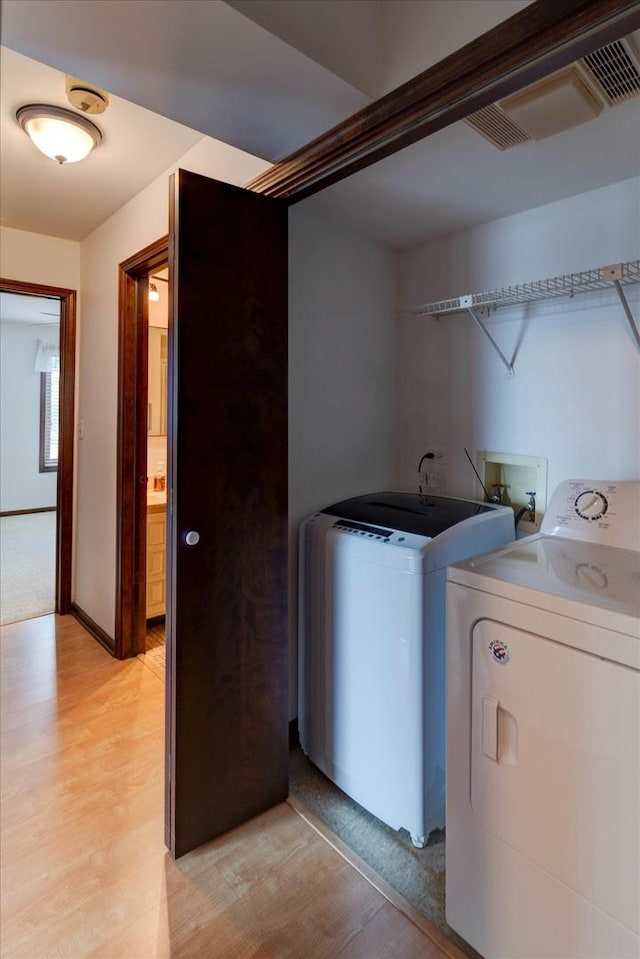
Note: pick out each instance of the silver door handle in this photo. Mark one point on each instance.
(192, 538)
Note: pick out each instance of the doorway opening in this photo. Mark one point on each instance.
(142, 443)
(155, 583)
(44, 330)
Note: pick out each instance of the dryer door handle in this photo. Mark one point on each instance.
(499, 732)
(507, 737)
(490, 708)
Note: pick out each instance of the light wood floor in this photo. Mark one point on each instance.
(84, 869)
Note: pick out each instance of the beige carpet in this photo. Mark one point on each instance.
(27, 566)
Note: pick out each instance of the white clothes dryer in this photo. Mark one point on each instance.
(543, 735)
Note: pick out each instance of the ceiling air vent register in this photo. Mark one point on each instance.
(494, 124)
(607, 77)
(616, 70)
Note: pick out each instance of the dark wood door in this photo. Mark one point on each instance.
(227, 646)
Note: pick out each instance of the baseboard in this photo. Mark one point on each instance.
(25, 512)
(294, 735)
(92, 627)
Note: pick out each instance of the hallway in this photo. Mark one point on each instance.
(85, 869)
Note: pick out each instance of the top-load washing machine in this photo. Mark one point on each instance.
(372, 578)
(543, 714)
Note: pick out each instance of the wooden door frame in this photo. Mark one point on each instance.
(64, 483)
(131, 481)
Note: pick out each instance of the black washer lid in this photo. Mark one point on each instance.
(409, 512)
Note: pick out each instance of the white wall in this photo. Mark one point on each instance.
(575, 396)
(22, 485)
(34, 258)
(140, 222)
(341, 375)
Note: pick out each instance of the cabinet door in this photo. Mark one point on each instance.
(156, 562)
(227, 702)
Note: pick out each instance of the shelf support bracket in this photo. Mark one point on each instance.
(506, 362)
(627, 312)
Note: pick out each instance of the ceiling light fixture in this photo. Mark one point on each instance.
(59, 133)
(154, 293)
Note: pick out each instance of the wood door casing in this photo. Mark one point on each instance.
(227, 673)
(64, 486)
(131, 486)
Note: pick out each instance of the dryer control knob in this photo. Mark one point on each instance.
(591, 505)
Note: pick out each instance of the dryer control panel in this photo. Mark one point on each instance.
(596, 511)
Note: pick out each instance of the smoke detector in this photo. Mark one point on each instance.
(85, 98)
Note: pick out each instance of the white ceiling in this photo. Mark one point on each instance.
(70, 201)
(198, 62)
(455, 179)
(29, 310)
(267, 76)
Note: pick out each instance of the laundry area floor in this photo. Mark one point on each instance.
(417, 875)
(386, 856)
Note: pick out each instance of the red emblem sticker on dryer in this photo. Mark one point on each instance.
(499, 651)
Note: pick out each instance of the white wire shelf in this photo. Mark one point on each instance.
(602, 278)
(480, 305)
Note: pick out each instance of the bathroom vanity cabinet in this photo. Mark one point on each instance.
(156, 555)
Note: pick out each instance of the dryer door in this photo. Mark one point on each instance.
(555, 761)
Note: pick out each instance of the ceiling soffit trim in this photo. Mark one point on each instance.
(540, 39)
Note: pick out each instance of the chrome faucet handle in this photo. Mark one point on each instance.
(531, 505)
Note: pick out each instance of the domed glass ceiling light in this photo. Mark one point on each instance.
(59, 133)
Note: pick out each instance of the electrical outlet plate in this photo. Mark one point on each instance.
(517, 475)
(433, 469)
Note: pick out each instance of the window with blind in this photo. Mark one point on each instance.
(49, 416)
